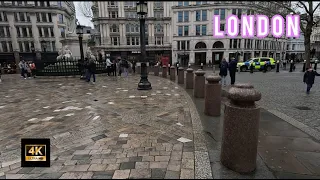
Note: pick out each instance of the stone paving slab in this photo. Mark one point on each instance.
(107, 130)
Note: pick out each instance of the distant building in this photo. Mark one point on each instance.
(296, 48)
(25, 24)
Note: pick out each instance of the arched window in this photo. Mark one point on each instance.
(218, 44)
(200, 45)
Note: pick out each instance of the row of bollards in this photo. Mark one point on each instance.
(241, 115)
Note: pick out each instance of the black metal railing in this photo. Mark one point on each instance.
(47, 67)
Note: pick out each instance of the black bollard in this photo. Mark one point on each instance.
(251, 68)
(177, 69)
(169, 69)
(278, 66)
(304, 66)
(315, 65)
(202, 66)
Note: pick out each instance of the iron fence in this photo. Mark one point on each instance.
(46, 67)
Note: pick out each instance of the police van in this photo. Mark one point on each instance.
(258, 64)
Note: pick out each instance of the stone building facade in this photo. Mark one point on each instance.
(25, 24)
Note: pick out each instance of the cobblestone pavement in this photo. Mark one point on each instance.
(284, 92)
(107, 130)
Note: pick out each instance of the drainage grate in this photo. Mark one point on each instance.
(302, 107)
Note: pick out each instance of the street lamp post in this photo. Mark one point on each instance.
(142, 10)
(79, 31)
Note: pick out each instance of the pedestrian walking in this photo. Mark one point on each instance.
(224, 71)
(124, 65)
(23, 68)
(309, 77)
(114, 68)
(109, 65)
(134, 66)
(91, 71)
(28, 69)
(33, 69)
(232, 70)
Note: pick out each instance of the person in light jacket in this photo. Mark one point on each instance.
(109, 64)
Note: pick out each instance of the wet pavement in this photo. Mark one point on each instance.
(106, 130)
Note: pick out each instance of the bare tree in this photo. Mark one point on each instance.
(85, 9)
(307, 11)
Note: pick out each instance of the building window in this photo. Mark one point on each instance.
(21, 16)
(28, 17)
(8, 32)
(178, 45)
(204, 15)
(15, 17)
(19, 3)
(114, 28)
(198, 17)
(44, 17)
(239, 13)
(158, 4)
(198, 30)
(186, 30)
(159, 40)
(60, 18)
(42, 4)
(53, 46)
(234, 11)
(40, 31)
(113, 14)
(128, 41)
(24, 32)
(4, 46)
(51, 32)
(222, 14)
(216, 12)
(180, 30)
(46, 32)
(221, 27)
(21, 46)
(26, 46)
(180, 15)
(158, 14)
(158, 28)
(38, 17)
(10, 46)
(204, 30)
(1, 16)
(186, 3)
(63, 34)
(186, 16)
(180, 3)
(18, 31)
(50, 17)
(115, 41)
(48, 3)
(112, 4)
(129, 4)
(2, 31)
(59, 3)
(293, 47)
(30, 32)
(5, 16)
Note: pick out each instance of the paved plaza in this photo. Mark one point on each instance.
(106, 130)
(112, 130)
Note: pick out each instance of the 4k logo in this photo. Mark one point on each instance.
(35, 152)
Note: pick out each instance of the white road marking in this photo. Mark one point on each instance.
(47, 118)
(70, 114)
(32, 119)
(123, 135)
(95, 118)
(184, 140)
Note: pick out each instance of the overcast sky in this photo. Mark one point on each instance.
(83, 20)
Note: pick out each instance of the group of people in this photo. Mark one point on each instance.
(228, 66)
(27, 68)
(120, 66)
(87, 70)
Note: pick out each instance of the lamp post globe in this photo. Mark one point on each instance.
(142, 10)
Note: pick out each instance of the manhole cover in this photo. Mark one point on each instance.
(95, 100)
(302, 108)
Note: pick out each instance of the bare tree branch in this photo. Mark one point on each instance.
(305, 7)
(85, 9)
(316, 7)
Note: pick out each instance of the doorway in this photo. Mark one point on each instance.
(200, 57)
(217, 57)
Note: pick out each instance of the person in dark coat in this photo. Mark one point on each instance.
(309, 77)
(232, 70)
(224, 71)
(91, 70)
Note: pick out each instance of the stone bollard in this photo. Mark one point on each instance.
(199, 82)
(189, 78)
(164, 71)
(172, 73)
(156, 70)
(181, 75)
(241, 129)
(212, 96)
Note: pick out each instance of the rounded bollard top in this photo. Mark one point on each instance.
(244, 93)
(172, 67)
(189, 70)
(164, 66)
(180, 68)
(213, 79)
(200, 72)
